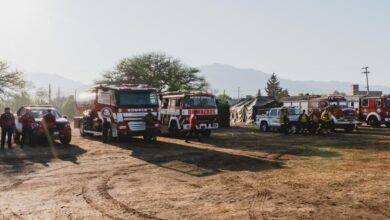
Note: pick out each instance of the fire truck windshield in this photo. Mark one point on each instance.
(199, 101)
(138, 98)
(342, 104)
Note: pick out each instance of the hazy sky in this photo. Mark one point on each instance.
(302, 40)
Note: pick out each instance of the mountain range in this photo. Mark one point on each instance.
(65, 85)
(221, 77)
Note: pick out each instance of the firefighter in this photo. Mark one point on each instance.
(150, 121)
(7, 123)
(303, 122)
(284, 120)
(326, 120)
(27, 119)
(314, 122)
(49, 123)
(193, 123)
(357, 113)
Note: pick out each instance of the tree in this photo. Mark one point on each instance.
(41, 96)
(69, 107)
(223, 99)
(336, 92)
(259, 92)
(22, 99)
(10, 80)
(273, 88)
(155, 69)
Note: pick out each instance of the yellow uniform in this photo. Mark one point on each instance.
(326, 116)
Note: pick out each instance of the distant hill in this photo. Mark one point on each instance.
(220, 76)
(225, 77)
(42, 80)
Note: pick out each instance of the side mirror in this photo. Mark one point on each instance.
(64, 116)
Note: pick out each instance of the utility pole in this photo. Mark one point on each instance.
(238, 93)
(49, 93)
(366, 72)
(75, 93)
(58, 93)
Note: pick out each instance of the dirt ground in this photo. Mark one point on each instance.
(235, 174)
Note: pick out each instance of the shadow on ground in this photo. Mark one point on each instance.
(305, 145)
(18, 159)
(193, 160)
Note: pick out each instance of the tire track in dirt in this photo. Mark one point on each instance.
(15, 184)
(375, 209)
(96, 194)
(10, 217)
(257, 202)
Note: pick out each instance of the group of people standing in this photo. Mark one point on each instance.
(307, 123)
(7, 124)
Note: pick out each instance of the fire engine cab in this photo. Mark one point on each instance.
(375, 110)
(342, 116)
(116, 111)
(177, 107)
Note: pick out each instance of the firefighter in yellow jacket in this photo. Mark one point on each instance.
(326, 120)
(303, 122)
(284, 120)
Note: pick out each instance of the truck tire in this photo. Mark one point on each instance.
(65, 140)
(264, 127)
(294, 129)
(349, 128)
(107, 133)
(373, 122)
(173, 131)
(206, 133)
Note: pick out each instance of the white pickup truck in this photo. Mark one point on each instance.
(271, 119)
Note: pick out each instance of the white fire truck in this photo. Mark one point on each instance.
(177, 107)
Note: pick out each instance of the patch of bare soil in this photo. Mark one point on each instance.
(235, 174)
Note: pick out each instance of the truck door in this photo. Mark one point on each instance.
(274, 117)
(364, 107)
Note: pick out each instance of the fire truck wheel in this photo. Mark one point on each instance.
(173, 131)
(373, 122)
(387, 125)
(107, 135)
(349, 128)
(206, 133)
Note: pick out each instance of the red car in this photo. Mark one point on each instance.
(62, 130)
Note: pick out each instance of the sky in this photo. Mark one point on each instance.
(320, 40)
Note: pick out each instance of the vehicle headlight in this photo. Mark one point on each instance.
(122, 127)
(157, 125)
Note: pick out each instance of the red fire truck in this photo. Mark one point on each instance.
(343, 116)
(176, 108)
(116, 111)
(375, 110)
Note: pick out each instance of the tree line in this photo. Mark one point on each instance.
(158, 70)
